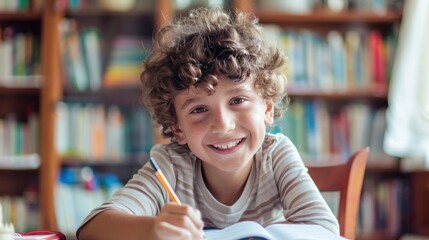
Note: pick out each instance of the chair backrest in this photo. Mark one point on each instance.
(347, 179)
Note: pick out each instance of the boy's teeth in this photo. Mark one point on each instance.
(227, 145)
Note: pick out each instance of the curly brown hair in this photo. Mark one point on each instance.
(195, 50)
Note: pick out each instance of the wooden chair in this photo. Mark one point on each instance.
(347, 179)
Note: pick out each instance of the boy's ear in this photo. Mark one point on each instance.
(269, 112)
(178, 134)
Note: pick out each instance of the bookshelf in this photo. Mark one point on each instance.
(116, 133)
(20, 104)
(44, 89)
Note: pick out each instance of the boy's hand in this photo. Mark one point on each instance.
(178, 222)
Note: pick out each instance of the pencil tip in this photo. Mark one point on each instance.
(153, 164)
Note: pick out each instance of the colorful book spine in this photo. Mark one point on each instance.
(20, 58)
(95, 132)
(337, 62)
(19, 137)
(321, 131)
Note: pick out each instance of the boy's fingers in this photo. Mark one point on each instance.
(170, 231)
(185, 222)
(186, 210)
(178, 225)
(199, 223)
(184, 216)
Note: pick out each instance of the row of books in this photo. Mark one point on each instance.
(307, 6)
(19, 137)
(20, 5)
(78, 191)
(119, 6)
(126, 61)
(335, 61)
(320, 130)
(97, 132)
(81, 55)
(22, 211)
(86, 67)
(376, 5)
(384, 207)
(19, 57)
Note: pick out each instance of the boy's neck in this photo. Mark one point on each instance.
(226, 187)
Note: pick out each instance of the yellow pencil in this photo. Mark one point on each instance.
(164, 182)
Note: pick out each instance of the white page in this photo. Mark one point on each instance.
(301, 232)
(238, 231)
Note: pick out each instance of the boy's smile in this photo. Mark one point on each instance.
(224, 129)
(227, 147)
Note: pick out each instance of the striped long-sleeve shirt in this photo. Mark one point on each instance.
(277, 189)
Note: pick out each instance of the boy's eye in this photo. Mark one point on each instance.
(237, 100)
(198, 110)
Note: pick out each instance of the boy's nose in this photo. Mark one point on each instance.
(223, 121)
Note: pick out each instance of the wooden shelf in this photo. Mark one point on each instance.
(22, 178)
(324, 16)
(379, 235)
(339, 95)
(127, 96)
(20, 162)
(123, 168)
(28, 91)
(109, 13)
(383, 169)
(31, 81)
(19, 101)
(128, 161)
(20, 16)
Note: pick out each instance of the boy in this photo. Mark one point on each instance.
(213, 85)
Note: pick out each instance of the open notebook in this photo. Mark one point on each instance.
(248, 229)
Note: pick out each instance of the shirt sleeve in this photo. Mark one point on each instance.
(143, 194)
(301, 199)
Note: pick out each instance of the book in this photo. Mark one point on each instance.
(253, 230)
(91, 44)
(73, 58)
(39, 235)
(126, 61)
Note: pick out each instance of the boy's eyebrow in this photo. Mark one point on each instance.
(188, 102)
(229, 92)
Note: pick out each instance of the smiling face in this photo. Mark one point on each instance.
(224, 129)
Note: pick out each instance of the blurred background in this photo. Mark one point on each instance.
(72, 129)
